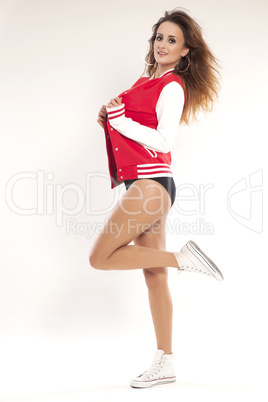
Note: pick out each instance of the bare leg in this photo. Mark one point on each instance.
(147, 253)
(161, 309)
(158, 291)
(133, 216)
(134, 257)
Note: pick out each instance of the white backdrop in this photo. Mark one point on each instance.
(69, 332)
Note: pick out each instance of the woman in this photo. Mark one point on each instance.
(140, 128)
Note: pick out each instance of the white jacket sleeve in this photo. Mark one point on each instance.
(168, 110)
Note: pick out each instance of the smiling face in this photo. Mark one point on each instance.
(168, 46)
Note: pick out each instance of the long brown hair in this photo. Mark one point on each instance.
(202, 78)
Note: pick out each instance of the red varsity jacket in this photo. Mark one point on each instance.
(128, 159)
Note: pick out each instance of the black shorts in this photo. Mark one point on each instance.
(166, 181)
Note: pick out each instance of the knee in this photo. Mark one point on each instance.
(96, 262)
(155, 277)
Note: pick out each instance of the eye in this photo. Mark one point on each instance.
(171, 40)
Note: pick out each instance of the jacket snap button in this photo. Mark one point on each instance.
(121, 177)
(111, 129)
(116, 149)
(120, 170)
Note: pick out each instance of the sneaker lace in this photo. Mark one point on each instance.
(192, 268)
(153, 368)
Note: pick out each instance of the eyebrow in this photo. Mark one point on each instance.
(169, 36)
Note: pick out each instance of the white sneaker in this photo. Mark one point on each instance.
(162, 371)
(191, 258)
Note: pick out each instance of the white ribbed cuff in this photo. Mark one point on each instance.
(115, 112)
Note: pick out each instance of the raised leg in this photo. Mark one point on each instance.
(144, 203)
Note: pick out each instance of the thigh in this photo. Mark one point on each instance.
(154, 237)
(143, 204)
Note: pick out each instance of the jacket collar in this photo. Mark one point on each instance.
(162, 75)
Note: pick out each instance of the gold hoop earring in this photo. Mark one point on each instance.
(186, 67)
(148, 64)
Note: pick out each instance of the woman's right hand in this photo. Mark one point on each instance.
(102, 116)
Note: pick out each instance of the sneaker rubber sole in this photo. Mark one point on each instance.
(147, 384)
(205, 261)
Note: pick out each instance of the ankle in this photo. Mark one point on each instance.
(177, 259)
(166, 351)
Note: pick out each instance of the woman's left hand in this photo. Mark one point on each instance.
(115, 102)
